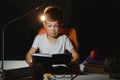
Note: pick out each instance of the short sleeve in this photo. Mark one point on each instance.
(35, 42)
(68, 44)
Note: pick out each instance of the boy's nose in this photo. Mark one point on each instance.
(53, 28)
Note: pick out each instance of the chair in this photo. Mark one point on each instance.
(71, 33)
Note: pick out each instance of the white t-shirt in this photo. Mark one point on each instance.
(42, 43)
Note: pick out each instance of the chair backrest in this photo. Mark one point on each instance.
(69, 31)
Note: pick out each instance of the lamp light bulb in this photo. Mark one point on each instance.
(43, 18)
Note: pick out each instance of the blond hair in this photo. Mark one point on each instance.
(53, 13)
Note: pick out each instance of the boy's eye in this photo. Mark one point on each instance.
(48, 25)
(51, 26)
(57, 26)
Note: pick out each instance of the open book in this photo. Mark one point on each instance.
(52, 58)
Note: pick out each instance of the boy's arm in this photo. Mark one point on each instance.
(29, 55)
(75, 55)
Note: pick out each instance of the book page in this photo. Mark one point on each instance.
(43, 55)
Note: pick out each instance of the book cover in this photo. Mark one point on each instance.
(52, 58)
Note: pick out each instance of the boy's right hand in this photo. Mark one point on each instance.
(29, 61)
(29, 56)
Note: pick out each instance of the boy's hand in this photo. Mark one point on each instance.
(29, 61)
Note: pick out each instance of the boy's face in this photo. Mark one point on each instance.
(52, 28)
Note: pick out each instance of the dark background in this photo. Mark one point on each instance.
(96, 21)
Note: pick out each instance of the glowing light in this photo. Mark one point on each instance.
(43, 18)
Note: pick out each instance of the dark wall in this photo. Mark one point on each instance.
(96, 22)
(17, 33)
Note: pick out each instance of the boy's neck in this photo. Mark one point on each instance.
(52, 39)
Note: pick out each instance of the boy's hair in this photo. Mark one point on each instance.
(53, 13)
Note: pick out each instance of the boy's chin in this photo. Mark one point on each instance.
(54, 36)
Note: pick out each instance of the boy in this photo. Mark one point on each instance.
(52, 42)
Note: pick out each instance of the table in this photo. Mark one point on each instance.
(13, 64)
